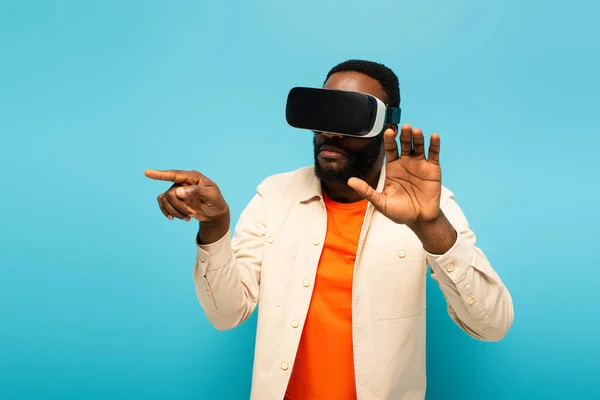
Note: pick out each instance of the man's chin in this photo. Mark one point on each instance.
(330, 173)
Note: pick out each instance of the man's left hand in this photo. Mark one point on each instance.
(413, 182)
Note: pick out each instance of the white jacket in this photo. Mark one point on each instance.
(271, 262)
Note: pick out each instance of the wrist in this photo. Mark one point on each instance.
(421, 225)
(223, 216)
(214, 229)
(437, 235)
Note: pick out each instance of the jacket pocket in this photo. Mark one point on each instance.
(277, 264)
(399, 289)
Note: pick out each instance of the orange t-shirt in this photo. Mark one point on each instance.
(324, 366)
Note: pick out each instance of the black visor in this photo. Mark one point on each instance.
(336, 111)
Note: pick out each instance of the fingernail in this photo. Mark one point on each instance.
(180, 192)
(170, 217)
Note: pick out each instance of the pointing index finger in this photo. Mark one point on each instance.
(175, 176)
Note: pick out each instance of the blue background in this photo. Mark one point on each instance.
(96, 292)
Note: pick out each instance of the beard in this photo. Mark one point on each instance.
(360, 163)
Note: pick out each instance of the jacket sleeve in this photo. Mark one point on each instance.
(478, 301)
(227, 272)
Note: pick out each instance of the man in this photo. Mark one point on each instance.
(335, 255)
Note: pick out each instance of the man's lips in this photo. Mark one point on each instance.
(331, 151)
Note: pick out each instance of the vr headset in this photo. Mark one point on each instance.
(339, 112)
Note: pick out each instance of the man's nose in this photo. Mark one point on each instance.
(332, 135)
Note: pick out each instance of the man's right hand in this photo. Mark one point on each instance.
(193, 195)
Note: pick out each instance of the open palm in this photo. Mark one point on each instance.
(413, 182)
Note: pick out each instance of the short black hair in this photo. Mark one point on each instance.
(384, 75)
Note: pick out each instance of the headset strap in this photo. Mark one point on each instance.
(392, 115)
